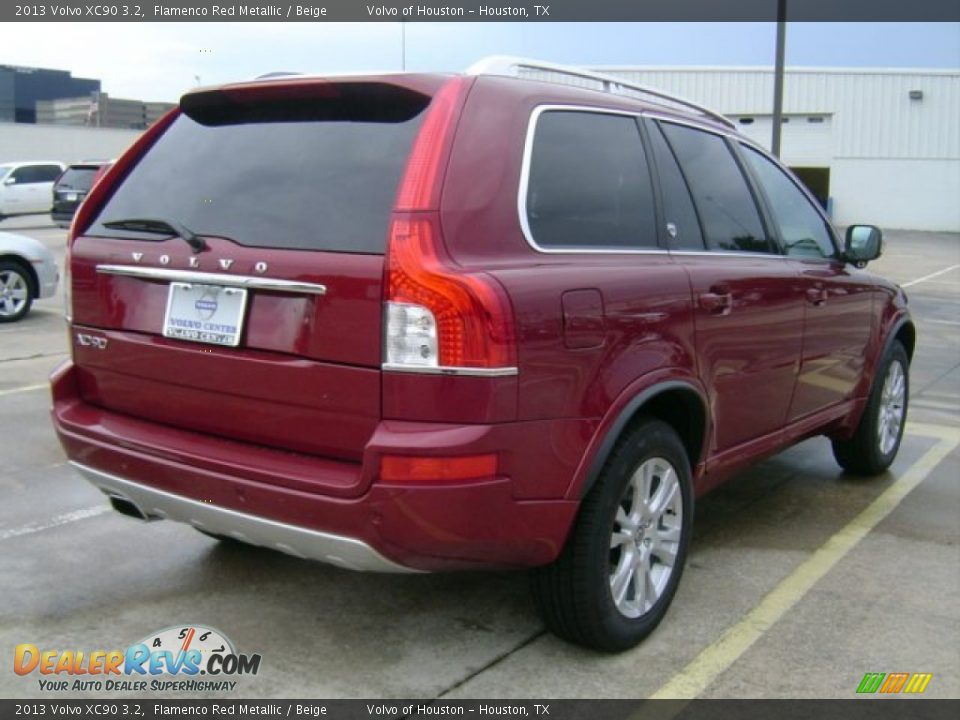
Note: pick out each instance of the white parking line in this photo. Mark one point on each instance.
(65, 519)
(931, 276)
(25, 388)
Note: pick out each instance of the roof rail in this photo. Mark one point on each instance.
(511, 66)
(277, 74)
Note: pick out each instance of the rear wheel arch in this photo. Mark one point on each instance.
(679, 404)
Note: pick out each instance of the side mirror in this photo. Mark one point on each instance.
(10, 181)
(863, 244)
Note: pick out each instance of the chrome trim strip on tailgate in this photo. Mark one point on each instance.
(192, 276)
(448, 370)
(345, 552)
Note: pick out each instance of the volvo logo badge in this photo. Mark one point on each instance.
(207, 305)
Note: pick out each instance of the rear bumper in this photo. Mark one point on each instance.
(154, 504)
(388, 528)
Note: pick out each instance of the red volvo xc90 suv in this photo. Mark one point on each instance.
(429, 322)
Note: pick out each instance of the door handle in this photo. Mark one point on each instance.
(719, 301)
(817, 296)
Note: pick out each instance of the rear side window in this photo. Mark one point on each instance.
(589, 184)
(305, 172)
(731, 221)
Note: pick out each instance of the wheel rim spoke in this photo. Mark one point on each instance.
(620, 582)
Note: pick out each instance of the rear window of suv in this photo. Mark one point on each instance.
(315, 169)
(78, 177)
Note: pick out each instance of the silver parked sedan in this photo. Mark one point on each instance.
(27, 271)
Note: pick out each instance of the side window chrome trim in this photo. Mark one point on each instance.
(525, 184)
(731, 253)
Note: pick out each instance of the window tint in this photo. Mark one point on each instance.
(36, 173)
(678, 209)
(25, 174)
(77, 178)
(802, 229)
(589, 184)
(727, 210)
(302, 173)
(48, 173)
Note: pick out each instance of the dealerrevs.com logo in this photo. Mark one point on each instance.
(178, 658)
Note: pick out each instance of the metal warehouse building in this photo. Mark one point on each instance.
(876, 146)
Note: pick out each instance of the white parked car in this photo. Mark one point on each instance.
(27, 187)
(27, 271)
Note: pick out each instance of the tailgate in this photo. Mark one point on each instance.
(257, 315)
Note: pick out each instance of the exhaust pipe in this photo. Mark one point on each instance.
(126, 507)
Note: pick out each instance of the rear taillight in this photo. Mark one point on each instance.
(67, 289)
(104, 187)
(437, 316)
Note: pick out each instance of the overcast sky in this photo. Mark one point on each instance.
(159, 61)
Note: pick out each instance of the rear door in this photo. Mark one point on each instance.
(266, 328)
(747, 298)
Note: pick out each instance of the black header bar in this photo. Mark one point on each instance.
(478, 11)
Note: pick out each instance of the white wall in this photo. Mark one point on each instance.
(23, 141)
(893, 193)
(893, 161)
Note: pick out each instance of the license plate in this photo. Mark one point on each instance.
(71, 197)
(205, 313)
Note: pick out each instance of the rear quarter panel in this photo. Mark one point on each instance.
(641, 330)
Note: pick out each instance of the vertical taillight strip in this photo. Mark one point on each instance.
(438, 317)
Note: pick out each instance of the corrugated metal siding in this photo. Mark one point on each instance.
(873, 116)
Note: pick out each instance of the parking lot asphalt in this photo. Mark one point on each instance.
(800, 579)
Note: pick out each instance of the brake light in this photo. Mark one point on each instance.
(437, 315)
(67, 289)
(422, 180)
(104, 187)
(410, 469)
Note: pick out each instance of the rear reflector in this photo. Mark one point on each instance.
(410, 469)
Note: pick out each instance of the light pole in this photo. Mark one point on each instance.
(778, 77)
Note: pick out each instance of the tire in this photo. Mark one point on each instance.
(575, 594)
(15, 292)
(875, 442)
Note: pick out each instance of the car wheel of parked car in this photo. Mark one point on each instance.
(15, 297)
(619, 570)
(876, 440)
